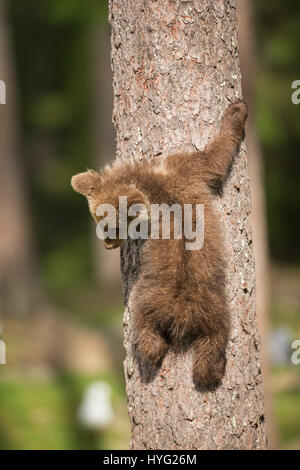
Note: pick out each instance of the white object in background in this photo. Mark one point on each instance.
(95, 410)
(280, 345)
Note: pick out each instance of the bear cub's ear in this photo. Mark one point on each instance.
(87, 183)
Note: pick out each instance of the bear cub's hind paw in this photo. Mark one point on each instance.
(208, 373)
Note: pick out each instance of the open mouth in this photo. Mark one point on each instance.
(108, 246)
(111, 244)
(112, 240)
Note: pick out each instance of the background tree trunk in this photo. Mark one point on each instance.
(19, 290)
(247, 47)
(176, 69)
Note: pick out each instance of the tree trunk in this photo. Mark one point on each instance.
(247, 48)
(176, 69)
(19, 290)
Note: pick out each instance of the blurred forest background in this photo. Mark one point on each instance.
(60, 293)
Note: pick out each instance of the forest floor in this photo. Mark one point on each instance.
(46, 375)
(285, 313)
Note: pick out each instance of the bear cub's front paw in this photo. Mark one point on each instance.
(236, 114)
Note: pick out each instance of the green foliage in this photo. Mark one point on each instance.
(285, 312)
(53, 46)
(278, 121)
(41, 413)
(287, 408)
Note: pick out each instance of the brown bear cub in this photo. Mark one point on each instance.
(179, 297)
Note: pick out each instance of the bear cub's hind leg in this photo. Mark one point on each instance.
(150, 345)
(210, 359)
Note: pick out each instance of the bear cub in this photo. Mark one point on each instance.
(179, 297)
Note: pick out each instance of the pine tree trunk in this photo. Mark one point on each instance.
(176, 68)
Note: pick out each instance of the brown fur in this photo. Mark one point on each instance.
(180, 295)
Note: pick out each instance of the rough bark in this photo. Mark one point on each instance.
(176, 68)
(19, 290)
